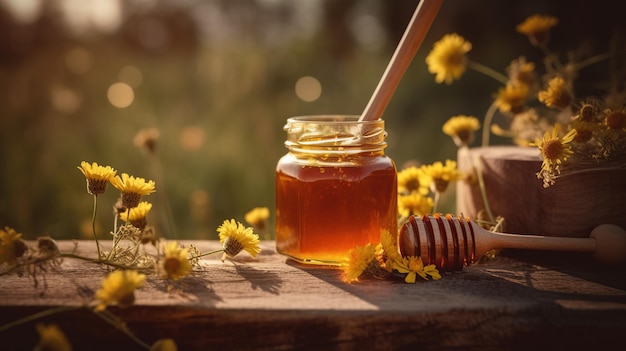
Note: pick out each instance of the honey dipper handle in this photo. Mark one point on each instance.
(536, 242)
(607, 242)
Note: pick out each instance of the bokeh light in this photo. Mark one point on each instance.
(120, 95)
(308, 88)
(191, 138)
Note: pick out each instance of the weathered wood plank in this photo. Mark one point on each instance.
(273, 303)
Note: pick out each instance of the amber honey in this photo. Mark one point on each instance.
(333, 193)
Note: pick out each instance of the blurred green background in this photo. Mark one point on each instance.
(217, 80)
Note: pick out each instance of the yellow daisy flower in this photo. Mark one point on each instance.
(164, 345)
(257, 217)
(97, 176)
(387, 251)
(537, 28)
(461, 128)
(358, 261)
(584, 130)
(132, 189)
(557, 94)
(554, 149)
(512, 98)
(442, 175)
(413, 179)
(448, 60)
(119, 288)
(414, 266)
(52, 338)
(175, 263)
(12, 246)
(588, 112)
(615, 122)
(235, 237)
(414, 204)
(137, 216)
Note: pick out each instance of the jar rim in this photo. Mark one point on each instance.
(336, 119)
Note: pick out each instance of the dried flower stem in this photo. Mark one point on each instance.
(206, 254)
(38, 315)
(436, 201)
(487, 123)
(592, 60)
(481, 185)
(117, 237)
(93, 222)
(106, 262)
(487, 71)
(119, 325)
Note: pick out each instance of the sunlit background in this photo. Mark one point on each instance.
(213, 82)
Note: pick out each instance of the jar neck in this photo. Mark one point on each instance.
(335, 134)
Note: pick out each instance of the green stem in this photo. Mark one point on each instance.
(38, 315)
(592, 60)
(488, 72)
(168, 218)
(207, 253)
(481, 184)
(112, 320)
(436, 202)
(93, 223)
(487, 123)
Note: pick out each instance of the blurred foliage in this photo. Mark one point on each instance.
(217, 82)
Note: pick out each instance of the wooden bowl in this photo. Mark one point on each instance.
(571, 207)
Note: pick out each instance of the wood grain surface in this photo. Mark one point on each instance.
(517, 300)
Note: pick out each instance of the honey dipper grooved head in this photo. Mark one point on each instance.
(610, 243)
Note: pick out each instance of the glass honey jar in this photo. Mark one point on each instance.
(335, 188)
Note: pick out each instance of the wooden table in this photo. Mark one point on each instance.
(518, 300)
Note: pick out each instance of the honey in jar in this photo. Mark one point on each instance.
(335, 188)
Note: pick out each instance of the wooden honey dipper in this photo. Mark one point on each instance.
(453, 242)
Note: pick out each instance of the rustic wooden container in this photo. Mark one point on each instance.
(571, 207)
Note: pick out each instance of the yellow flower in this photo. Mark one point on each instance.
(414, 266)
(554, 149)
(132, 189)
(522, 72)
(584, 130)
(615, 122)
(512, 98)
(414, 204)
(389, 249)
(461, 128)
(164, 345)
(448, 58)
(51, 338)
(588, 112)
(12, 246)
(413, 179)
(235, 237)
(442, 175)
(257, 217)
(146, 139)
(557, 94)
(97, 176)
(537, 28)
(119, 288)
(358, 261)
(175, 264)
(137, 215)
